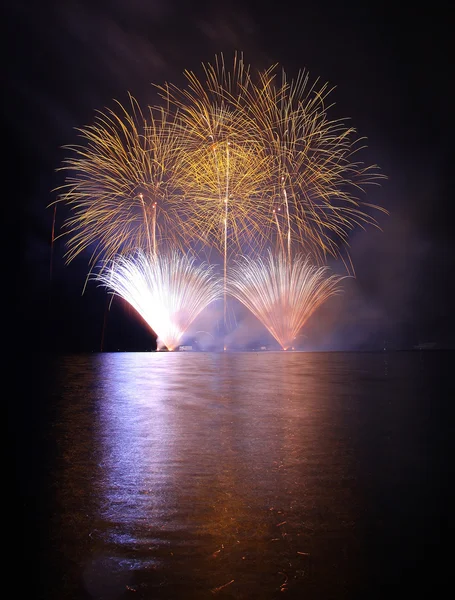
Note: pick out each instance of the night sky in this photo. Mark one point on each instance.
(391, 69)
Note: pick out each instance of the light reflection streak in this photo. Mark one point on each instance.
(138, 439)
(199, 466)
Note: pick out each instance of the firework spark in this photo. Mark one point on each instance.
(168, 291)
(282, 293)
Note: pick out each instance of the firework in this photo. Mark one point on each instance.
(224, 168)
(118, 185)
(168, 291)
(315, 177)
(282, 293)
(233, 161)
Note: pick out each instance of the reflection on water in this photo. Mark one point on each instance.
(240, 475)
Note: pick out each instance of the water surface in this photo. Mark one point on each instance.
(249, 475)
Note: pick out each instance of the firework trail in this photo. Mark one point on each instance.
(167, 290)
(282, 293)
(224, 168)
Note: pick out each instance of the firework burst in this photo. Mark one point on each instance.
(230, 161)
(168, 291)
(118, 185)
(315, 177)
(282, 293)
(224, 167)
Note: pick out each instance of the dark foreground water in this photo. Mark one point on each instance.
(271, 475)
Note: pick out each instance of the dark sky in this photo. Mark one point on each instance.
(392, 72)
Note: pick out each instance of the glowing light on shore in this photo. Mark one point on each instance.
(168, 291)
(282, 293)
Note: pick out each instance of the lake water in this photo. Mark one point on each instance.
(244, 475)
